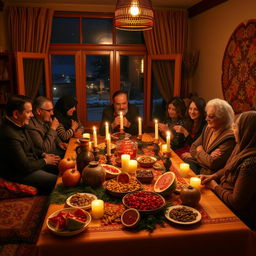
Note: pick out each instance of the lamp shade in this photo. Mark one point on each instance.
(134, 15)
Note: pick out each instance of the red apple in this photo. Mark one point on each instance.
(66, 163)
(71, 178)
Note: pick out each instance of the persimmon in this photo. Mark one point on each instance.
(71, 177)
(66, 163)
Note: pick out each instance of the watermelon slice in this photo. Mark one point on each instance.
(74, 223)
(166, 183)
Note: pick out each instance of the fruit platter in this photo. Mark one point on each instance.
(111, 171)
(80, 200)
(68, 221)
(144, 201)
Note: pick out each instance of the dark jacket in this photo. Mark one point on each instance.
(18, 157)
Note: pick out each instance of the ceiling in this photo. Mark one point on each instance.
(155, 3)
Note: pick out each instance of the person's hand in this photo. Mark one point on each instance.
(186, 155)
(211, 184)
(126, 122)
(51, 159)
(74, 125)
(216, 153)
(199, 148)
(180, 129)
(78, 133)
(163, 127)
(63, 145)
(116, 122)
(55, 123)
(206, 178)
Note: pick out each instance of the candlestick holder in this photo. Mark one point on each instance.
(95, 153)
(108, 159)
(156, 149)
(167, 161)
(140, 145)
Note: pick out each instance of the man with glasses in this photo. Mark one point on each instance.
(42, 128)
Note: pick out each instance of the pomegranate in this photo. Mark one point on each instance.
(190, 196)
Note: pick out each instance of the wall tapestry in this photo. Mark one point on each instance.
(239, 68)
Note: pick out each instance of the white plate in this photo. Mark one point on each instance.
(198, 217)
(81, 207)
(67, 232)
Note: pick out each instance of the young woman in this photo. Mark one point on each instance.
(65, 112)
(235, 184)
(176, 110)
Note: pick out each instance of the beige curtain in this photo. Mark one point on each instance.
(30, 31)
(168, 36)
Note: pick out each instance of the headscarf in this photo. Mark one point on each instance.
(246, 145)
(60, 110)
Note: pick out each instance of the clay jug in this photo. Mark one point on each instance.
(93, 174)
(84, 156)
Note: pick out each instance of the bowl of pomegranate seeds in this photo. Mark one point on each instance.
(144, 201)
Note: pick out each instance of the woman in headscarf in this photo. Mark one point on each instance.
(65, 112)
(235, 184)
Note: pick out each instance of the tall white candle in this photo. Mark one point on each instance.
(133, 164)
(125, 161)
(121, 121)
(168, 141)
(195, 182)
(108, 145)
(95, 137)
(90, 146)
(164, 148)
(156, 129)
(140, 126)
(106, 129)
(97, 209)
(184, 169)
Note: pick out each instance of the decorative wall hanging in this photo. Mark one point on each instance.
(239, 68)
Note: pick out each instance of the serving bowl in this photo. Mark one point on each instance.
(81, 200)
(146, 161)
(111, 171)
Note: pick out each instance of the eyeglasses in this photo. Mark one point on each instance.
(48, 110)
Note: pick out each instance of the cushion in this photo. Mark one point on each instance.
(9, 189)
(21, 219)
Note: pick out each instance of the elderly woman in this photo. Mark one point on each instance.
(235, 184)
(212, 149)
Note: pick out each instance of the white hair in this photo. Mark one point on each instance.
(223, 111)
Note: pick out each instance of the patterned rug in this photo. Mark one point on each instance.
(21, 219)
(18, 250)
(239, 68)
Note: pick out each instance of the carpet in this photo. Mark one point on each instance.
(21, 219)
(18, 250)
(239, 68)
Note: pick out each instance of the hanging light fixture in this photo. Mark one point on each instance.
(134, 15)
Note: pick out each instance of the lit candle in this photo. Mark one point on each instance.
(97, 209)
(184, 169)
(156, 129)
(168, 141)
(108, 145)
(106, 129)
(140, 126)
(133, 164)
(90, 146)
(95, 137)
(164, 148)
(86, 136)
(195, 182)
(125, 161)
(121, 121)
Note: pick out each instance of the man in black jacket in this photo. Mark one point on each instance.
(19, 160)
(111, 115)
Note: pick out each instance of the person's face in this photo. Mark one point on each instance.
(193, 111)
(172, 112)
(71, 111)
(213, 121)
(121, 104)
(23, 117)
(45, 112)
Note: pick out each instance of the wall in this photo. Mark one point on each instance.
(210, 32)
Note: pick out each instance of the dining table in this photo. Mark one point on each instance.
(220, 231)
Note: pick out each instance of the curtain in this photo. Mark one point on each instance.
(30, 31)
(168, 36)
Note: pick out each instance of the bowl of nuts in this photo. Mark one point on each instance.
(144, 175)
(146, 161)
(81, 200)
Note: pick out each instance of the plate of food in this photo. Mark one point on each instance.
(119, 135)
(68, 221)
(146, 161)
(81, 200)
(144, 201)
(102, 146)
(147, 139)
(183, 215)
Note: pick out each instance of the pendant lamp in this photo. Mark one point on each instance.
(134, 15)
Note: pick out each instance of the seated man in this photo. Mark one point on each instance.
(111, 115)
(20, 161)
(42, 128)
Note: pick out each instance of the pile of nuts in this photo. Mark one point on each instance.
(119, 187)
(81, 200)
(182, 214)
(111, 216)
